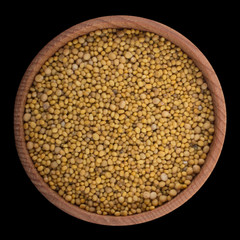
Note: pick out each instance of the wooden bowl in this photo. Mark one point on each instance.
(121, 22)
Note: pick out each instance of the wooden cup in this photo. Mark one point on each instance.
(121, 22)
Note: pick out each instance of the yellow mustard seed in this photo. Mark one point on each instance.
(29, 145)
(44, 97)
(196, 168)
(164, 177)
(172, 192)
(86, 56)
(122, 104)
(118, 121)
(112, 56)
(156, 101)
(38, 78)
(26, 117)
(153, 195)
(128, 55)
(146, 195)
(121, 199)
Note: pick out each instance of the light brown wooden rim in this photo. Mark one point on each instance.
(144, 25)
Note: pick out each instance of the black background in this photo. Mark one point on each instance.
(212, 28)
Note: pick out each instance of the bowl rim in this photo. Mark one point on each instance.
(144, 24)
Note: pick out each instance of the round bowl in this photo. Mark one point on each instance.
(121, 22)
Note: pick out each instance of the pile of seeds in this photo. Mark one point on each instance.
(118, 121)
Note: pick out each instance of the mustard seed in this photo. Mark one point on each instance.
(29, 145)
(128, 55)
(122, 104)
(164, 177)
(118, 122)
(206, 149)
(172, 192)
(44, 97)
(196, 168)
(121, 199)
(38, 78)
(86, 56)
(112, 56)
(146, 195)
(153, 195)
(156, 101)
(165, 113)
(163, 198)
(54, 164)
(26, 117)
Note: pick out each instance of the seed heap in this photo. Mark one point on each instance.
(118, 122)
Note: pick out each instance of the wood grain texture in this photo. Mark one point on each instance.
(121, 22)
